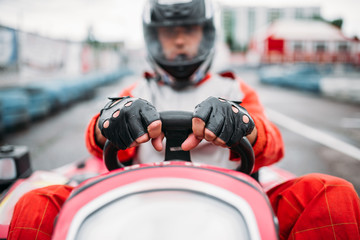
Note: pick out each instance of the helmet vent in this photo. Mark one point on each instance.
(178, 12)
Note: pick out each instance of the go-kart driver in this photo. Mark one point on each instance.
(180, 39)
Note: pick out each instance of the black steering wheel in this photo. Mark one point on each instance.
(177, 125)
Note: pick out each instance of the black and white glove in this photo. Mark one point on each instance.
(124, 119)
(226, 119)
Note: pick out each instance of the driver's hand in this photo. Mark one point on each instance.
(222, 122)
(128, 122)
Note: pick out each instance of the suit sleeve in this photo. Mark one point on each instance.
(269, 146)
(93, 147)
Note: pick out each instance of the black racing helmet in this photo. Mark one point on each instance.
(182, 70)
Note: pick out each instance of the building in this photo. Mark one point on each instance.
(303, 41)
(239, 23)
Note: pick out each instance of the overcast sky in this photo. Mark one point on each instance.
(120, 19)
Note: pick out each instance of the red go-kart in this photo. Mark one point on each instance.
(173, 199)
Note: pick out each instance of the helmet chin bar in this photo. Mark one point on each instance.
(180, 83)
(181, 72)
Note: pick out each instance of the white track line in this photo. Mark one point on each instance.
(313, 134)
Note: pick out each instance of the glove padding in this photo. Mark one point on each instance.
(123, 120)
(219, 118)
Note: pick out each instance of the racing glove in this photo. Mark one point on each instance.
(124, 119)
(228, 124)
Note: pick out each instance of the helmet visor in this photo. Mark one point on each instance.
(182, 47)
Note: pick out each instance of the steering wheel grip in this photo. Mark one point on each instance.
(182, 121)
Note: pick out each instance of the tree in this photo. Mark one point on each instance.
(336, 22)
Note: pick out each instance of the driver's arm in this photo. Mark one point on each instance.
(265, 136)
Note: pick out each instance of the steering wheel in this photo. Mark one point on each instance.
(177, 125)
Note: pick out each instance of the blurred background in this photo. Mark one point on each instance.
(60, 60)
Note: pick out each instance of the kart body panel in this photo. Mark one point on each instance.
(177, 184)
(240, 186)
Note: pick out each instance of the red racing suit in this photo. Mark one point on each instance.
(314, 206)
